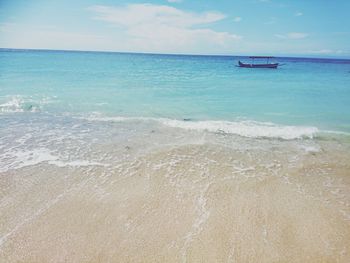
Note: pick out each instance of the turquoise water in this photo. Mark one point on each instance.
(303, 92)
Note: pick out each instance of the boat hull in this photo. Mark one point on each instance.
(270, 65)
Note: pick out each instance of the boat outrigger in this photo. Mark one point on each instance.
(261, 65)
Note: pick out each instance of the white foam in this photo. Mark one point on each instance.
(112, 119)
(310, 148)
(12, 105)
(251, 129)
(77, 163)
(19, 159)
(17, 104)
(342, 133)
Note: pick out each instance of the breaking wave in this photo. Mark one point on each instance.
(250, 129)
(17, 103)
(13, 160)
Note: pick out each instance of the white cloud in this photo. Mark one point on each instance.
(137, 14)
(298, 14)
(237, 19)
(292, 35)
(162, 28)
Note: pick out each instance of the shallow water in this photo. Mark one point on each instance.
(97, 163)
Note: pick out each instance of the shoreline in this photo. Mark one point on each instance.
(251, 200)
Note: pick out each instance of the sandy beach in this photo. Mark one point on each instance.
(218, 199)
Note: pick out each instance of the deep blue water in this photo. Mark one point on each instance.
(305, 92)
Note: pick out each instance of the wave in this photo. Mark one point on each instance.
(18, 103)
(250, 129)
(13, 160)
(76, 163)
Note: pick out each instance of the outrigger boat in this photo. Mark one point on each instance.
(261, 65)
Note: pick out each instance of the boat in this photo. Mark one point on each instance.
(260, 65)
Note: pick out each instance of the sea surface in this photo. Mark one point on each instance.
(118, 157)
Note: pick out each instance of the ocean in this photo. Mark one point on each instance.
(120, 157)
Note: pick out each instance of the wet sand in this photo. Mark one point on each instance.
(270, 201)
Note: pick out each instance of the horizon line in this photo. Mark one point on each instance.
(174, 54)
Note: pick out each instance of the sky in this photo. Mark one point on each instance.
(319, 28)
